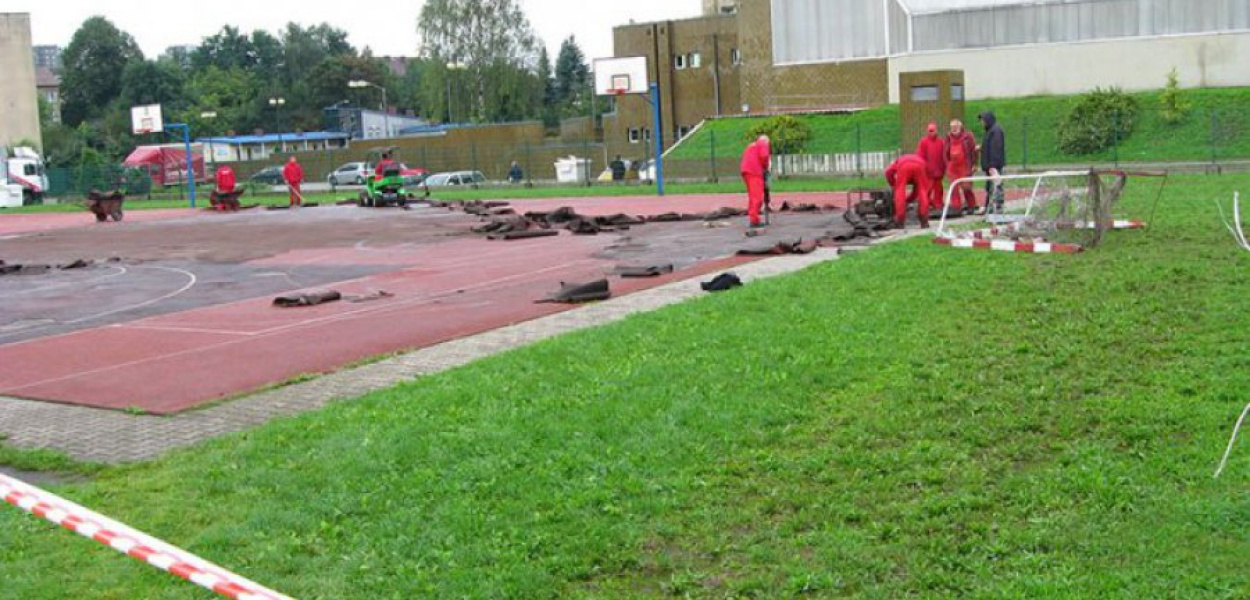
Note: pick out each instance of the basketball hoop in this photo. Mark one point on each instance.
(620, 76)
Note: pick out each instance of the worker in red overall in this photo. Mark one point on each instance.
(293, 173)
(933, 150)
(380, 171)
(961, 155)
(225, 189)
(911, 170)
(756, 163)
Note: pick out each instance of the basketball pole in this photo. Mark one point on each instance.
(186, 142)
(658, 135)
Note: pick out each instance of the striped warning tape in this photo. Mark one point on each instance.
(1010, 246)
(126, 540)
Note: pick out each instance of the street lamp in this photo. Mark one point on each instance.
(277, 103)
(386, 115)
(452, 66)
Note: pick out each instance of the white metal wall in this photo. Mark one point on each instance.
(807, 31)
(1058, 21)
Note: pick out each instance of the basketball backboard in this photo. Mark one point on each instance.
(617, 76)
(146, 119)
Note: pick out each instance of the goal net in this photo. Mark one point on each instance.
(1066, 210)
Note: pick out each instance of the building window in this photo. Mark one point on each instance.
(683, 131)
(924, 93)
(695, 60)
(635, 136)
(679, 62)
(735, 56)
(957, 91)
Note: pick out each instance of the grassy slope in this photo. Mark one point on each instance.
(1152, 140)
(914, 421)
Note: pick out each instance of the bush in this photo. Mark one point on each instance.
(1172, 107)
(1098, 120)
(788, 134)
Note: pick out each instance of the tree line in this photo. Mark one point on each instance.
(477, 61)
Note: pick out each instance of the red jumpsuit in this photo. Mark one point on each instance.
(755, 161)
(961, 154)
(932, 150)
(293, 173)
(225, 186)
(225, 180)
(911, 170)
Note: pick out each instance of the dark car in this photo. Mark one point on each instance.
(268, 176)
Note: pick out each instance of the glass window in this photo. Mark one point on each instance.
(696, 60)
(735, 56)
(957, 91)
(635, 136)
(924, 93)
(679, 61)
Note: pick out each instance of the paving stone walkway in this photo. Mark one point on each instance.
(105, 436)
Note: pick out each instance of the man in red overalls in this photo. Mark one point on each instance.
(223, 195)
(756, 162)
(293, 173)
(961, 155)
(932, 149)
(911, 170)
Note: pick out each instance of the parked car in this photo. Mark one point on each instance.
(455, 178)
(268, 176)
(413, 176)
(352, 173)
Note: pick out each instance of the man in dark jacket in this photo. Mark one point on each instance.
(993, 160)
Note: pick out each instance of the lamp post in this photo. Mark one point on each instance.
(277, 103)
(386, 115)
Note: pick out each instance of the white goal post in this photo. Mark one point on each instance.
(1031, 201)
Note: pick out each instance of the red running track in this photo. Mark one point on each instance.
(177, 361)
(13, 224)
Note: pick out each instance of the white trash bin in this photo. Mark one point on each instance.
(572, 169)
(10, 196)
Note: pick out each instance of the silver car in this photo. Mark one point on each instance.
(352, 173)
(455, 178)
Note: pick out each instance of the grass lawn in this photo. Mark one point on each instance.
(913, 421)
(1216, 122)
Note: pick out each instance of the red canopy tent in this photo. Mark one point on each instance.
(166, 165)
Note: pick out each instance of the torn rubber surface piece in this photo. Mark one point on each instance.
(644, 271)
(307, 298)
(521, 235)
(580, 292)
(722, 282)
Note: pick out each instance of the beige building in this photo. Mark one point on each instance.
(19, 108)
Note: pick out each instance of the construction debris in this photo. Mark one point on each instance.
(722, 282)
(580, 292)
(644, 271)
(307, 298)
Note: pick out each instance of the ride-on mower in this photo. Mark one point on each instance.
(390, 187)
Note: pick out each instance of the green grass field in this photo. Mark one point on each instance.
(913, 421)
(1217, 123)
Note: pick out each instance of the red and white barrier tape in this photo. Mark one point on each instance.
(126, 540)
(1010, 246)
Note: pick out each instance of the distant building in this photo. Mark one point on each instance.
(398, 65)
(365, 124)
(719, 7)
(773, 56)
(48, 57)
(19, 109)
(243, 148)
(48, 83)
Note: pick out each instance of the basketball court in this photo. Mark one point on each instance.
(176, 310)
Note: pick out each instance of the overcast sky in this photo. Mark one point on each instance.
(389, 31)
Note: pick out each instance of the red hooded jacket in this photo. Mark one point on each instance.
(906, 166)
(933, 150)
(293, 173)
(225, 179)
(755, 158)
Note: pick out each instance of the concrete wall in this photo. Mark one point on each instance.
(1061, 69)
(19, 108)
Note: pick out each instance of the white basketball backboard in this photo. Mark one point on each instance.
(616, 76)
(146, 119)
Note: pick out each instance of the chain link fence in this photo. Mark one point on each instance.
(1207, 139)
